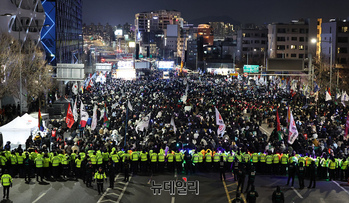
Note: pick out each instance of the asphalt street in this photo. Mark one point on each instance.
(139, 189)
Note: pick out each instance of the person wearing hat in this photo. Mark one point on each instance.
(6, 182)
(99, 176)
(278, 196)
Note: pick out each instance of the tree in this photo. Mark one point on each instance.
(28, 60)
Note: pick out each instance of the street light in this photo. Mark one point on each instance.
(314, 41)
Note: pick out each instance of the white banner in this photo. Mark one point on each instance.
(75, 112)
(173, 124)
(144, 123)
(94, 118)
(328, 96)
(219, 119)
(292, 131)
(83, 115)
(220, 130)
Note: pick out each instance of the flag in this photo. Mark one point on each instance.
(105, 117)
(75, 112)
(129, 105)
(292, 131)
(94, 118)
(288, 114)
(278, 128)
(338, 94)
(144, 123)
(75, 88)
(328, 96)
(69, 119)
(346, 126)
(82, 88)
(173, 125)
(40, 125)
(83, 115)
(219, 119)
(220, 130)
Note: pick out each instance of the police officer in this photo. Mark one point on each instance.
(39, 162)
(222, 168)
(126, 168)
(312, 174)
(161, 160)
(252, 195)
(6, 181)
(283, 160)
(89, 173)
(241, 176)
(111, 173)
(27, 169)
(135, 159)
(236, 168)
(99, 176)
(301, 173)
(179, 160)
(144, 161)
(278, 196)
(332, 165)
(291, 172)
(344, 169)
(251, 177)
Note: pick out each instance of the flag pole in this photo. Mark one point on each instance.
(126, 125)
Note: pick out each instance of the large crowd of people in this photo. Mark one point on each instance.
(182, 133)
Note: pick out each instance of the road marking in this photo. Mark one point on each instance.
(123, 191)
(172, 199)
(37, 199)
(341, 187)
(231, 184)
(106, 191)
(175, 175)
(271, 184)
(243, 197)
(226, 191)
(299, 195)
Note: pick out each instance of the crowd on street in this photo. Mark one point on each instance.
(152, 125)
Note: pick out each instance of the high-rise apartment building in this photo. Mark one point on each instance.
(206, 31)
(62, 33)
(22, 19)
(288, 40)
(335, 35)
(251, 45)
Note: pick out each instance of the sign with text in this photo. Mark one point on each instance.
(251, 68)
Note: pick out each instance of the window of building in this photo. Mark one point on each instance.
(256, 34)
(294, 30)
(343, 29)
(343, 61)
(244, 49)
(301, 39)
(245, 41)
(302, 30)
(306, 56)
(286, 55)
(281, 39)
(342, 39)
(301, 47)
(263, 42)
(281, 30)
(287, 47)
(256, 41)
(279, 56)
(300, 56)
(263, 35)
(293, 38)
(293, 46)
(342, 50)
(281, 47)
(293, 55)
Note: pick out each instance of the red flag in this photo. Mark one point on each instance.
(278, 120)
(70, 117)
(347, 126)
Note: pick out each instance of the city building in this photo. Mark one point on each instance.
(221, 30)
(251, 46)
(23, 20)
(288, 40)
(206, 31)
(334, 34)
(62, 34)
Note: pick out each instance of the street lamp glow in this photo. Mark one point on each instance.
(313, 40)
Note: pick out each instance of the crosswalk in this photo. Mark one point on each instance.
(115, 195)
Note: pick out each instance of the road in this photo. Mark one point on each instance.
(138, 189)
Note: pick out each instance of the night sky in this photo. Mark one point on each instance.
(246, 11)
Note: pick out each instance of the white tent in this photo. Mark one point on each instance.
(18, 130)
